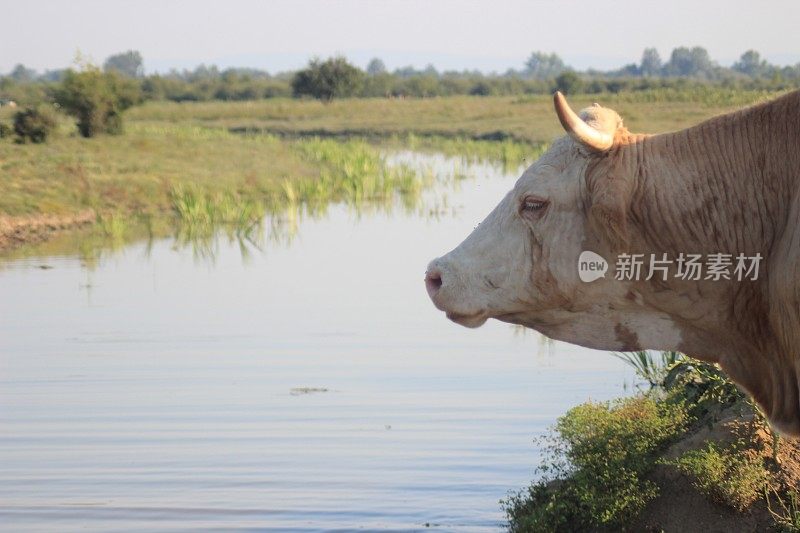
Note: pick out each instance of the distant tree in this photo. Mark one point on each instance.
(97, 99)
(128, 64)
(22, 73)
(430, 70)
(422, 86)
(203, 72)
(375, 67)
(406, 72)
(691, 62)
(651, 62)
(379, 85)
(631, 69)
(329, 79)
(751, 64)
(569, 82)
(544, 66)
(53, 75)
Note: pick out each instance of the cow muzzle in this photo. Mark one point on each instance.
(450, 294)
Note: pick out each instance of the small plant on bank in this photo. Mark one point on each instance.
(787, 515)
(650, 366)
(731, 476)
(34, 124)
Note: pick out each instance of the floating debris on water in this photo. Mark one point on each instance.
(306, 390)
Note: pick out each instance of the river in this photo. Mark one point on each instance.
(306, 385)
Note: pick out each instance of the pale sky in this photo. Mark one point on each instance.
(492, 35)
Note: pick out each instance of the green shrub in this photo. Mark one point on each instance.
(5, 130)
(595, 466)
(703, 386)
(730, 476)
(569, 83)
(97, 99)
(329, 79)
(482, 88)
(34, 124)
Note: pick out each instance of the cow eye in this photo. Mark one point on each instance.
(533, 207)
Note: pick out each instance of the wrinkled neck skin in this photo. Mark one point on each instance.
(726, 186)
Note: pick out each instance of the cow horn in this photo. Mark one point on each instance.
(578, 129)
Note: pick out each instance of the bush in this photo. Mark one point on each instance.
(326, 80)
(5, 130)
(97, 99)
(729, 476)
(595, 468)
(481, 88)
(34, 124)
(569, 83)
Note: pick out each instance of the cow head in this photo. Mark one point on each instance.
(520, 264)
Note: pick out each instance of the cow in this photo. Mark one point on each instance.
(722, 192)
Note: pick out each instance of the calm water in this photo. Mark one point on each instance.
(159, 389)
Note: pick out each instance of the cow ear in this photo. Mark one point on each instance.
(609, 201)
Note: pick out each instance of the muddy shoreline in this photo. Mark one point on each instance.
(16, 231)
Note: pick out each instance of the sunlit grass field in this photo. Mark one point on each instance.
(529, 119)
(223, 161)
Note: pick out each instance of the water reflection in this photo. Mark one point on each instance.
(435, 178)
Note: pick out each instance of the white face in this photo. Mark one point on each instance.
(521, 262)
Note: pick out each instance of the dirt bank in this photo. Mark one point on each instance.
(15, 231)
(681, 507)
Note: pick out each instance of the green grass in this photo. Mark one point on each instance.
(157, 169)
(529, 119)
(167, 145)
(228, 162)
(730, 475)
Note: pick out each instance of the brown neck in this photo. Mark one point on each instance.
(722, 186)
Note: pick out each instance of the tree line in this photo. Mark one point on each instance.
(336, 77)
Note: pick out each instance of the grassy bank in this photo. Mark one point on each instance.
(690, 453)
(530, 118)
(211, 163)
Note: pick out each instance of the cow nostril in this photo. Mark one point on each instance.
(433, 281)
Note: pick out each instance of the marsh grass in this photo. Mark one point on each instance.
(167, 145)
(205, 210)
(353, 171)
(511, 155)
(785, 510)
(113, 225)
(184, 163)
(649, 365)
(528, 119)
